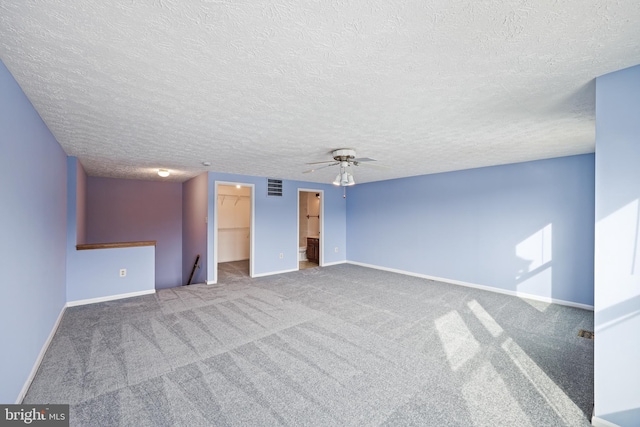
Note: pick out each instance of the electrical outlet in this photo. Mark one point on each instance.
(281, 255)
(123, 272)
(336, 250)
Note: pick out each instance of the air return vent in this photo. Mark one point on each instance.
(274, 187)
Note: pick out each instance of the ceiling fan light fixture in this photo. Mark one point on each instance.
(345, 158)
(344, 181)
(163, 172)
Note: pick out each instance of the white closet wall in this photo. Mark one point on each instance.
(234, 223)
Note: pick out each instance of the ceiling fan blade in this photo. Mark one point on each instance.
(364, 159)
(321, 167)
(367, 165)
(317, 163)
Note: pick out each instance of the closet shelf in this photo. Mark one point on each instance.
(230, 196)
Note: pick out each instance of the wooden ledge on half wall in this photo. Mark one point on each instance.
(115, 245)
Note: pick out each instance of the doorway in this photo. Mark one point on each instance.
(310, 227)
(233, 231)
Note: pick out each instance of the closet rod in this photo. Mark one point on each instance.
(224, 196)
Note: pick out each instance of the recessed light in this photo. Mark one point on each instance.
(163, 172)
(206, 163)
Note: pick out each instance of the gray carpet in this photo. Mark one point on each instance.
(232, 271)
(334, 346)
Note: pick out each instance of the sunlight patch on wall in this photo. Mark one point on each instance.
(621, 258)
(561, 404)
(535, 274)
(457, 340)
(536, 249)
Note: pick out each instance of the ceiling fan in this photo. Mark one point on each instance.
(345, 157)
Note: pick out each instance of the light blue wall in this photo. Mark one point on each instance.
(32, 235)
(524, 227)
(617, 256)
(276, 224)
(95, 273)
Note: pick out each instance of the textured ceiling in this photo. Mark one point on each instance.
(262, 87)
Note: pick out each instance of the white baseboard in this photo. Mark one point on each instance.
(599, 422)
(36, 365)
(271, 273)
(327, 264)
(109, 298)
(476, 286)
(211, 282)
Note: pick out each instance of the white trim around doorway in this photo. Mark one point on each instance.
(252, 226)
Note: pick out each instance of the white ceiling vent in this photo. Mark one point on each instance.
(274, 187)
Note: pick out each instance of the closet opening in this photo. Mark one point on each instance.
(233, 254)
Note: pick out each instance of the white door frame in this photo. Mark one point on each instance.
(215, 225)
(321, 224)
